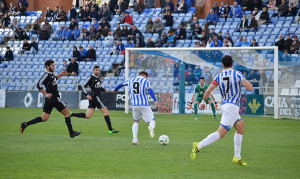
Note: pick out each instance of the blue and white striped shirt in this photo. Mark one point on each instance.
(137, 90)
(230, 83)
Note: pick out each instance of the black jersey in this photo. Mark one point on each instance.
(95, 84)
(48, 81)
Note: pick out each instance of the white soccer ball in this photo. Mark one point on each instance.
(163, 140)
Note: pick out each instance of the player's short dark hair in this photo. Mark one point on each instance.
(48, 63)
(96, 66)
(201, 78)
(227, 61)
(143, 73)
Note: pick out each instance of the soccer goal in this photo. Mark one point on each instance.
(174, 73)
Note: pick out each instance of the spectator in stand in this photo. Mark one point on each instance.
(206, 28)
(132, 3)
(216, 9)
(282, 9)
(254, 78)
(12, 9)
(86, 14)
(204, 37)
(73, 13)
(213, 33)
(264, 17)
(196, 32)
(294, 49)
(60, 32)
(212, 18)
(221, 9)
(227, 43)
(95, 5)
(216, 43)
(220, 36)
(150, 3)
(288, 42)
(207, 75)
(44, 34)
(162, 40)
(252, 23)
(139, 41)
(181, 32)
(292, 10)
(104, 23)
(229, 38)
(171, 40)
(209, 42)
(72, 69)
(158, 26)
(114, 52)
(3, 10)
(128, 19)
(245, 43)
(25, 47)
(48, 27)
(254, 43)
(117, 33)
(5, 21)
(181, 7)
(83, 53)
(65, 65)
(272, 5)
(197, 73)
(190, 79)
(244, 24)
(109, 40)
(139, 6)
(36, 27)
(106, 14)
(169, 19)
(61, 15)
(67, 33)
(49, 15)
(170, 4)
(150, 43)
(165, 10)
(227, 10)
(92, 33)
(95, 24)
(256, 3)
(280, 43)
(56, 12)
(125, 32)
(73, 24)
(129, 44)
(18, 34)
(294, 2)
(149, 26)
(8, 56)
(76, 53)
(34, 47)
(239, 43)
(247, 5)
(23, 2)
(256, 14)
(194, 21)
(120, 7)
(120, 47)
(21, 10)
(236, 11)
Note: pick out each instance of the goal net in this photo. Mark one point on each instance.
(174, 73)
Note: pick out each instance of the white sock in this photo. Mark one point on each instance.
(238, 145)
(152, 124)
(135, 129)
(211, 138)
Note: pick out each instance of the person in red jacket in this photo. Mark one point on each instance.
(128, 19)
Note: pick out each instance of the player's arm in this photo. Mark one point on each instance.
(63, 73)
(247, 85)
(41, 83)
(193, 98)
(84, 85)
(207, 93)
(124, 83)
(212, 97)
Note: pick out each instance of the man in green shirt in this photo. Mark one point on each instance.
(200, 89)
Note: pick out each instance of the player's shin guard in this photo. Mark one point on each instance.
(213, 108)
(152, 124)
(80, 115)
(34, 121)
(108, 122)
(196, 109)
(69, 124)
(238, 145)
(211, 138)
(135, 129)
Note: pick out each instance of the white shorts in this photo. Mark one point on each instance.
(144, 112)
(230, 115)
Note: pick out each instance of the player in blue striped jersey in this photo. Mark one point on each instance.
(229, 82)
(138, 86)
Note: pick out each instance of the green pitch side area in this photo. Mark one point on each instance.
(270, 147)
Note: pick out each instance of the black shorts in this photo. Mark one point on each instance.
(54, 102)
(96, 102)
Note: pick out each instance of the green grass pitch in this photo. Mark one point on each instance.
(270, 147)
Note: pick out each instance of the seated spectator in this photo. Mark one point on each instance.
(92, 33)
(23, 2)
(209, 42)
(227, 43)
(194, 21)
(8, 55)
(95, 5)
(129, 44)
(246, 5)
(72, 69)
(157, 26)
(61, 15)
(190, 79)
(49, 15)
(128, 19)
(204, 37)
(166, 9)
(252, 23)
(239, 43)
(76, 53)
(206, 29)
(245, 43)
(282, 9)
(65, 65)
(216, 43)
(3, 10)
(227, 10)
(288, 43)
(169, 4)
(236, 11)
(12, 10)
(216, 9)
(162, 40)
(196, 32)
(229, 38)
(75, 33)
(83, 53)
(181, 7)
(197, 72)
(56, 12)
(221, 10)
(25, 47)
(36, 27)
(212, 18)
(67, 33)
(254, 43)
(21, 10)
(120, 47)
(181, 32)
(150, 43)
(120, 7)
(132, 3)
(264, 17)
(19, 34)
(34, 47)
(171, 40)
(272, 5)
(106, 14)
(73, 13)
(139, 6)
(139, 41)
(220, 36)
(5, 21)
(91, 54)
(295, 45)
(292, 10)
(256, 14)
(150, 3)
(280, 43)
(48, 27)
(149, 26)
(104, 23)
(94, 14)
(109, 40)
(117, 33)
(73, 23)
(114, 52)
(125, 32)
(169, 19)
(244, 24)
(213, 33)
(44, 34)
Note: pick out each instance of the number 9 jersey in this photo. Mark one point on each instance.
(229, 82)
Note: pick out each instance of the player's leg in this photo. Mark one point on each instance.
(238, 137)
(136, 114)
(196, 103)
(66, 113)
(213, 108)
(105, 112)
(89, 113)
(149, 118)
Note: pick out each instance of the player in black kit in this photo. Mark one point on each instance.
(95, 99)
(52, 99)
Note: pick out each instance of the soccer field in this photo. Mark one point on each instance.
(270, 147)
